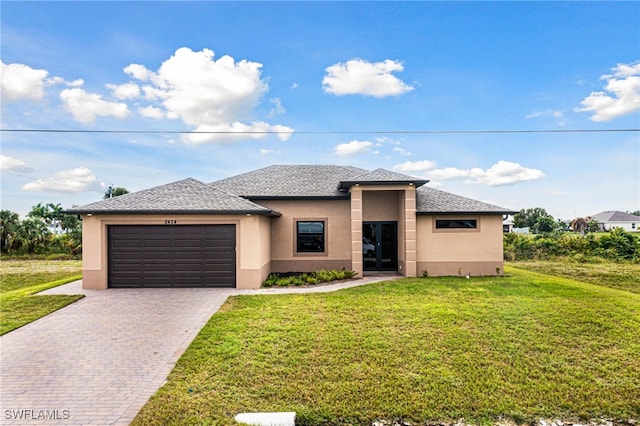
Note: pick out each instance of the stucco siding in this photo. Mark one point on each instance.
(459, 251)
(252, 243)
(337, 218)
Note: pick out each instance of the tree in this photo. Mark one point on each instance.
(530, 218)
(115, 192)
(562, 225)
(544, 224)
(50, 213)
(33, 235)
(9, 225)
(635, 213)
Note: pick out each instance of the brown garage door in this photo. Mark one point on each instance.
(172, 256)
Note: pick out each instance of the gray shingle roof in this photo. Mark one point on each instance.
(289, 182)
(381, 177)
(429, 200)
(233, 195)
(615, 216)
(184, 196)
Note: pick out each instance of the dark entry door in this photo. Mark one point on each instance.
(380, 246)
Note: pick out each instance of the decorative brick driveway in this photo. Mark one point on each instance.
(98, 361)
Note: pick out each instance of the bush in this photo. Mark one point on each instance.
(617, 245)
(299, 279)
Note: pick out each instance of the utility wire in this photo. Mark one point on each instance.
(329, 132)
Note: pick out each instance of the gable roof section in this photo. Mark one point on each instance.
(184, 196)
(430, 201)
(380, 177)
(615, 216)
(289, 182)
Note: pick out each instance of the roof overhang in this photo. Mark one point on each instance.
(452, 213)
(345, 185)
(166, 212)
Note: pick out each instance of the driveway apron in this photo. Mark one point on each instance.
(100, 359)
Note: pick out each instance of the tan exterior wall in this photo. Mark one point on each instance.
(253, 247)
(335, 214)
(460, 251)
(380, 205)
(393, 203)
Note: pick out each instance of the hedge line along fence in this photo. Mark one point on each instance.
(616, 245)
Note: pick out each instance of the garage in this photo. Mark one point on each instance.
(171, 256)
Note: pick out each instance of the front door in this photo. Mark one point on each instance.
(380, 246)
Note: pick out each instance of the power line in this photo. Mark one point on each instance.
(321, 132)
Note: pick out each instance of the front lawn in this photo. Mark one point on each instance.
(21, 279)
(621, 275)
(520, 347)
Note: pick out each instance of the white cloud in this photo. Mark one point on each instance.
(125, 91)
(51, 81)
(151, 112)
(22, 82)
(402, 151)
(277, 107)
(354, 147)
(621, 95)
(450, 173)
(10, 164)
(501, 173)
(222, 133)
(139, 72)
(85, 107)
(415, 166)
(77, 180)
(556, 115)
(208, 94)
(359, 77)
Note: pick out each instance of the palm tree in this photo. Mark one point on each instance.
(9, 225)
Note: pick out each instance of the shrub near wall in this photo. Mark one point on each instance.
(617, 245)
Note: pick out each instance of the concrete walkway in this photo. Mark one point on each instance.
(99, 360)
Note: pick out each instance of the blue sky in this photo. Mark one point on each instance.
(368, 84)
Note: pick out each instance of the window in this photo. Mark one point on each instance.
(456, 224)
(310, 236)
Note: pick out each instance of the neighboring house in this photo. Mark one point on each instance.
(617, 219)
(507, 226)
(234, 232)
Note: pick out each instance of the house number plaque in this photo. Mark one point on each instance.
(170, 222)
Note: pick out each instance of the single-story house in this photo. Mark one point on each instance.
(236, 231)
(616, 219)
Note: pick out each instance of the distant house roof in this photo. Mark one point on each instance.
(241, 194)
(184, 196)
(615, 216)
(434, 201)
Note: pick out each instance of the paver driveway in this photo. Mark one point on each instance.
(98, 360)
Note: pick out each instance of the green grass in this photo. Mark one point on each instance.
(620, 275)
(21, 279)
(520, 347)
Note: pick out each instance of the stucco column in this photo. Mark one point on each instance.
(410, 232)
(356, 230)
(94, 252)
